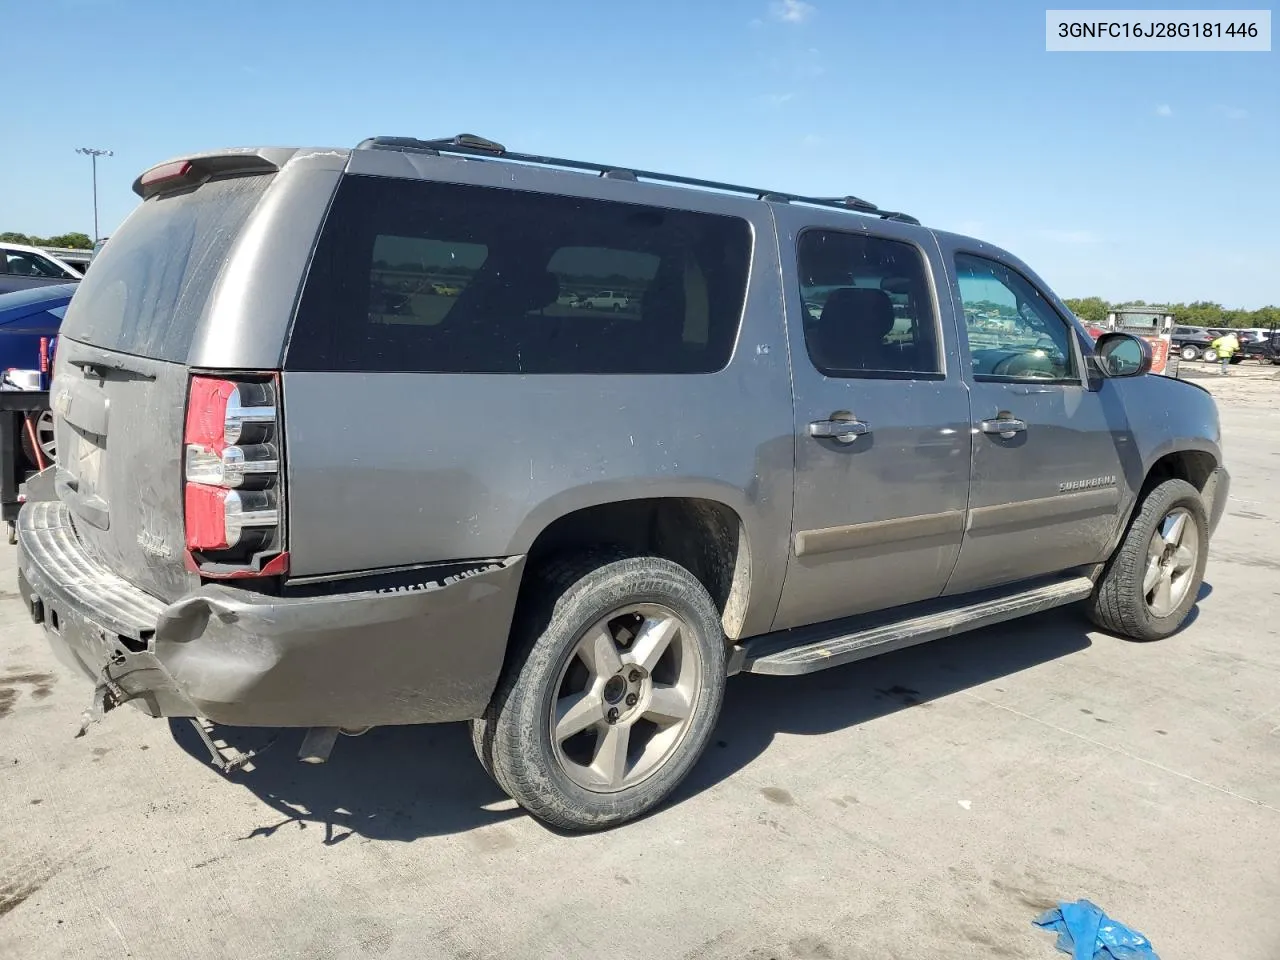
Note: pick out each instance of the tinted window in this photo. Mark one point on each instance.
(1013, 332)
(418, 280)
(149, 286)
(445, 278)
(868, 310)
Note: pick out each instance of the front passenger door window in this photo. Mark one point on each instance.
(1013, 332)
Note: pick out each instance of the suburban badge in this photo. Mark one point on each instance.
(1068, 486)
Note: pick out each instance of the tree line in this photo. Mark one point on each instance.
(69, 241)
(1201, 313)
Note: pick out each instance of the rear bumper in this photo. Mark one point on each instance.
(426, 654)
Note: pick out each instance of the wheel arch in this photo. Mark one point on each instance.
(703, 533)
(1199, 465)
(1193, 464)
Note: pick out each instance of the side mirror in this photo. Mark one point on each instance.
(1123, 355)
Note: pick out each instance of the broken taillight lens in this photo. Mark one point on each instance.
(232, 477)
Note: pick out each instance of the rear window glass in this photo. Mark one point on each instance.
(149, 286)
(446, 278)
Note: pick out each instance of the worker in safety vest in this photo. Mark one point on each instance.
(1225, 347)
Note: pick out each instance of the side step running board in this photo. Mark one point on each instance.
(809, 649)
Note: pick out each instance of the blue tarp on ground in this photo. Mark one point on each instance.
(1087, 933)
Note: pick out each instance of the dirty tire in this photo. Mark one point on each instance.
(483, 747)
(514, 738)
(538, 593)
(1119, 602)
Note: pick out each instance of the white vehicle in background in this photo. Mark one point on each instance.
(22, 266)
(1255, 334)
(605, 300)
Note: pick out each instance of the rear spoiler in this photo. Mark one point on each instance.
(192, 171)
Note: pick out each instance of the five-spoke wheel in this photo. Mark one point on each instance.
(1171, 562)
(613, 690)
(625, 698)
(1153, 579)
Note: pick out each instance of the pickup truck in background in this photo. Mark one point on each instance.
(1264, 347)
(1190, 343)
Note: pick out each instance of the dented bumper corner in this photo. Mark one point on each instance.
(345, 659)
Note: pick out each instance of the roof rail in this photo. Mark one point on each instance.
(470, 145)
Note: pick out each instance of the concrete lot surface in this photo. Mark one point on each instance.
(927, 804)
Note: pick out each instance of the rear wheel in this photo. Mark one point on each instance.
(1153, 579)
(1189, 352)
(612, 696)
(1210, 355)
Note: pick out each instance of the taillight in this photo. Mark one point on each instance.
(232, 476)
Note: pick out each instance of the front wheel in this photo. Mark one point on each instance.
(612, 695)
(1153, 579)
(1190, 353)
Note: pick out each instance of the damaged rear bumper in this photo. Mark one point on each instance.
(426, 654)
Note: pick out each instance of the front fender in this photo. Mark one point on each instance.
(1173, 416)
(1166, 417)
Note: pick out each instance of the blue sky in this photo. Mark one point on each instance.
(1124, 175)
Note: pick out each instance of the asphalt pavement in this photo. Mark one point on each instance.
(926, 804)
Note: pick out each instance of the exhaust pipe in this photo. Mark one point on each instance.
(317, 744)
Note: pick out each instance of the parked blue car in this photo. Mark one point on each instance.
(25, 317)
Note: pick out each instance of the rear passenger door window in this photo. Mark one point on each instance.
(1013, 332)
(868, 307)
(448, 278)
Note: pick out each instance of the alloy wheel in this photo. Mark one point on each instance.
(625, 698)
(1171, 562)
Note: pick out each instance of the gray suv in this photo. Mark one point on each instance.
(340, 444)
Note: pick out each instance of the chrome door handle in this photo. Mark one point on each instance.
(845, 431)
(1006, 427)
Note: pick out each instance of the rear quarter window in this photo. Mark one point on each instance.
(446, 278)
(149, 287)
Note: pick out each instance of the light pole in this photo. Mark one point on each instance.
(93, 154)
